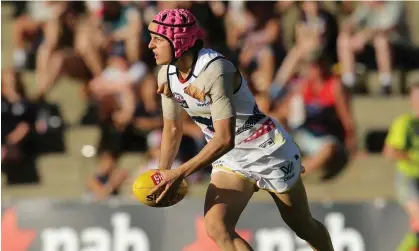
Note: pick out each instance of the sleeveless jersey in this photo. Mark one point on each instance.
(321, 115)
(257, 135)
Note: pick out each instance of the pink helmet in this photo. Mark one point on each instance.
(180, 27)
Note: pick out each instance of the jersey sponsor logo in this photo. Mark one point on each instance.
(288, 171)
(180, 99)
(207, 102)
(268, 143)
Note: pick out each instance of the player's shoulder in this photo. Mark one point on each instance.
(213, 62)
(403, 119)
(162, 74)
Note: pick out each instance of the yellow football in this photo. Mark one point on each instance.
(146, 182)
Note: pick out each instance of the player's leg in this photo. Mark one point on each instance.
(408, 192)
(226, 198)
(295, 211)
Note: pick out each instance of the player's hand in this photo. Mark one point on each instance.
(165, 90)
(195, 93)
(171, 180)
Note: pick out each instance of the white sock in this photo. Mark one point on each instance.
(385, 78)
(348, 79)
(19, 58)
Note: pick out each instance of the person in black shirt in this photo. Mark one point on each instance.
(18, 115)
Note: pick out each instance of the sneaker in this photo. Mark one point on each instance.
(386, 90)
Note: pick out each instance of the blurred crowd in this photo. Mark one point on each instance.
(304, 76)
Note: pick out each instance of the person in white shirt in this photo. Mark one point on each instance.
(248, 150)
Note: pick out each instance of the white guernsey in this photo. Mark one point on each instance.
(261, 153)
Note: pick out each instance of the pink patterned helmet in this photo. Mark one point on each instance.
(180, 27)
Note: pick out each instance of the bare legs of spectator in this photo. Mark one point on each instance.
(348, 45)
(116, 177)
(383, 57)
(44, 55)
(263, 75)
(133, 47)
(89, 45)
(64, 62)
(24, 28)
(320, 159)
(346, 59)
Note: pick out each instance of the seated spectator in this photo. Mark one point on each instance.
(18, 120)
(106, 183)
(319, 25)
(327, 135)
(111, 21)
(55, 56)
(253, 31)
(27, 30)
(379, 23)
(153, 153)
(148, 114)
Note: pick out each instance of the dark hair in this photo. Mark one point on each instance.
(324, 62)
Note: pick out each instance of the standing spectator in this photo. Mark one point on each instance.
(378, 22)
(402, 145)
(18, 120)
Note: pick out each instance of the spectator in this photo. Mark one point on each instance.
(327, 135)
(111, 21)
(18, 121)
(118, 82)
(115, 92)
(106, 183)
(153, 156)
(55, 56)
(402, 145)
(148, 115)
(153, 152)
(378, 22)
(209, 15)
(253, 31)
(319, 25)
(30, 18)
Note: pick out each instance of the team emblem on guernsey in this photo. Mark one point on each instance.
(179, 98)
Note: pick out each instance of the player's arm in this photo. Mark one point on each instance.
(172, 122)
(223, 114)
(172, 132)
(395, 141)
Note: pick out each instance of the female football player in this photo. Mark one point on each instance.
(247, 149)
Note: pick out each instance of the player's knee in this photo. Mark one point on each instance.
(217, 230)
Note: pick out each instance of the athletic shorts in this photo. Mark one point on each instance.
(407, 188)
(276, 172)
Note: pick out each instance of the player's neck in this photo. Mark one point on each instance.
(184, 64)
